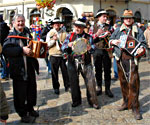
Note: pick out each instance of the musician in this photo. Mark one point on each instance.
(22, 70)
(127, 64)
(101, 55)
(75, 68)
(55, 39)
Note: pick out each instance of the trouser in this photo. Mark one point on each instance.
(57, 62)
(102, 62)
(129, 81)
(25, 95)
(74, 69)
(74, 80)
(148, 54)
(48, 62)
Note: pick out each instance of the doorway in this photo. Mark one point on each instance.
(112, 16)
(12, 13)
(66, 15)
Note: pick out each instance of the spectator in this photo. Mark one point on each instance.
(147, 37)
(141, 26)
(116, 25)
(4, 109)
(43, 35)
(4, 31)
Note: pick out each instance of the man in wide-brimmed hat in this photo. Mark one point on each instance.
(80, 22)
(127, 63)
(127, 14)
(75, 67)
(101, 55)
(56, 20)
(55, 39)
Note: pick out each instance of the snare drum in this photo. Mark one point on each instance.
(80, 46)
(39, 48)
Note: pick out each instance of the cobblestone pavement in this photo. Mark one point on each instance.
(57, 110)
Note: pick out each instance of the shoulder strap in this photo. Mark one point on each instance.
(95, 28)
(71, 37)
(20, 37)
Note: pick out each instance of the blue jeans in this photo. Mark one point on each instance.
(48, 63)
(5, 69)
(49, 66)
(115, 68)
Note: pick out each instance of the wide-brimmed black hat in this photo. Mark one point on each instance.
(80, 22)
(100, 12)
(56, 20)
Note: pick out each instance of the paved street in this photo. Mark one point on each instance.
(57, 110)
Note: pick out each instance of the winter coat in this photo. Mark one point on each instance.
(44, 32)
(136, 33)
(4, 31)
(14, 52)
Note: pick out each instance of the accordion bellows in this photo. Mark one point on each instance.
(39, 49)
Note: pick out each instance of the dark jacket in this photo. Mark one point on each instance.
(4, 31)
(14, 52)
(44, 32)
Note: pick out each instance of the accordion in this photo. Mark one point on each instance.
(130, 45)
(39, 49)
(101, 42)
